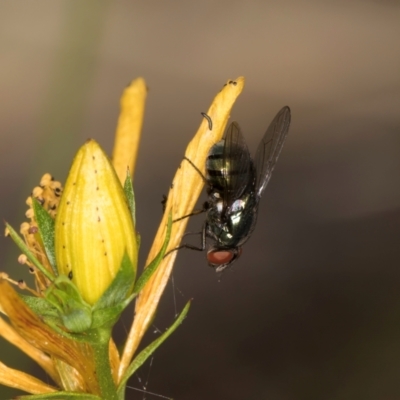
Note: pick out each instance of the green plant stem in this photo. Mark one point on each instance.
(100, 344)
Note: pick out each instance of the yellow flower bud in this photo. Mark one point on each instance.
(93, 227)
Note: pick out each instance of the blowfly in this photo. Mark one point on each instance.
(235, 184)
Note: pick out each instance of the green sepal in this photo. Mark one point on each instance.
(51, 316)
(107, 317)
(43, 308)
(51, 311)
(121, 286)
(149, 350)
(128, 189)
(117, 296)
(46, 230)
(152, 267)
(75, 313)
(60, 396)
(24, 248)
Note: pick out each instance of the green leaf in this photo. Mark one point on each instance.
(46, 229)
(60, 396)
(24, 248)
(152, 267)
(149, 350)
(128, 189)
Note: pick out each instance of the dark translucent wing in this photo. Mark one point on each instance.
(270, 147)
(237, 164)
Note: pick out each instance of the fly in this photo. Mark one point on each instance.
(235, 183)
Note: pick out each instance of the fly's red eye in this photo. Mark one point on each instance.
(220, 257)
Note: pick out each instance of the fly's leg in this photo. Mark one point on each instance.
(206, 206)
(191, 246)
(195, 212)
(195, 167)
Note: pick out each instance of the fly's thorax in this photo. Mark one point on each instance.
(231, 225)
(215, 201)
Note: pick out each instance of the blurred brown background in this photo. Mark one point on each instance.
(312, 309)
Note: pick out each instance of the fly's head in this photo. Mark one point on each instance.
(222, 258)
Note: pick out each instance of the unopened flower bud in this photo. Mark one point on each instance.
(94, 227)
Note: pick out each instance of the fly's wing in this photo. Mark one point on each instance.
(237, 164)
(270, 147)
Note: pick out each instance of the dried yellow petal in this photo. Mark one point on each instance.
(182, 198)
(38, 334)
(22, 381)
(130, 121)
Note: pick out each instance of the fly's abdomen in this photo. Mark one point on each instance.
(216, 176)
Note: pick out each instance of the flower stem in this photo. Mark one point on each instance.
(100, 344)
